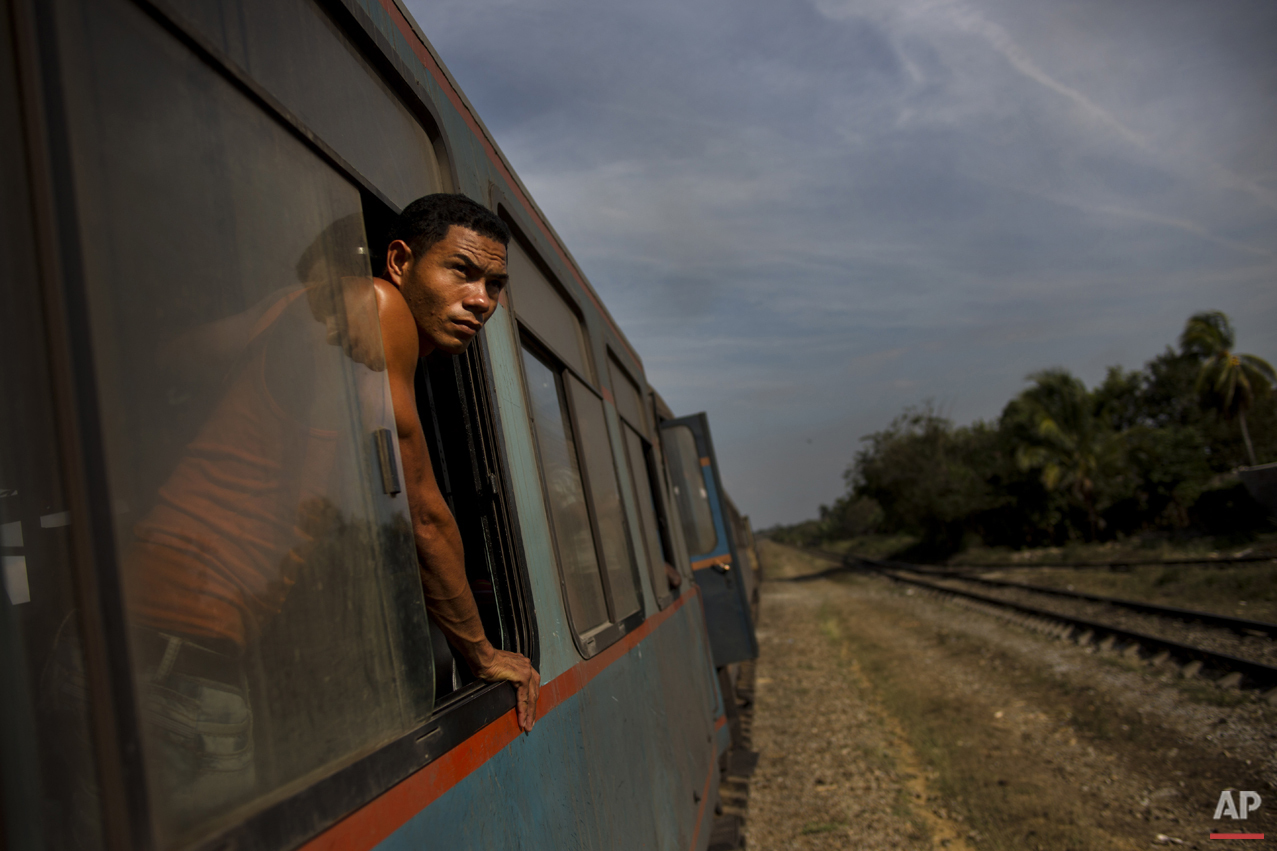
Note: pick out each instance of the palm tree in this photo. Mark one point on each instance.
(1061, 435)
(1232, 381)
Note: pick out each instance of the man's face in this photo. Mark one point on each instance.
(452, 289)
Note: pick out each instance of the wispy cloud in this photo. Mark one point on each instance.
(808, 215)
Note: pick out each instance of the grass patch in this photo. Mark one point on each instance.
(1134, 549)
(982, 768)
(780, 561)
(1210, 694)
(872, 546)
(822, 827)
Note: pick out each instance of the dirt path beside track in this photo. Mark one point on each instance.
(890, 720)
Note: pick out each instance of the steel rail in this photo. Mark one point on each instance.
(1255, 674)
(1109, 565)
(1242, 626)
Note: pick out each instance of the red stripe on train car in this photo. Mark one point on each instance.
(385, 814)
(700, 810)
(712, 561)
(428, 60)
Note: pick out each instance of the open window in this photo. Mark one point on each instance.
(453, 402)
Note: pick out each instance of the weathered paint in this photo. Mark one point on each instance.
(628, 505)
(719, 573)
(627, 737)
(558, 653)
(712, 561)
(624, 756)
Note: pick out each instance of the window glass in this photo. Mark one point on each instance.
(47, 773)
(539, 305)
(298, 55)
(688, 481)
(277, 623)
(568, 511)
(605, 493)
(644, 498)
(629, 401)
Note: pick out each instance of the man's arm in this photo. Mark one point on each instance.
(439, 551)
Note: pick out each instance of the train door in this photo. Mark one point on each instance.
(716, 561)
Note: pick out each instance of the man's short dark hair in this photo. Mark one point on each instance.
(425, 221)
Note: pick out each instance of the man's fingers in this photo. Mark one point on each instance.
(534, 694)
(525, 720)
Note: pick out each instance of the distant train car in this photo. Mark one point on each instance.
(188, 183)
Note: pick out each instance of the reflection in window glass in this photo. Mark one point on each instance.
(539, 306)
(688, 481)
(646, 502)
(297, 54)
(568, 511)
(629, 401)
(47, 773)
(605, 493)
(278, 627)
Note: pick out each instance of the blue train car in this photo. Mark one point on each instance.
(178, 175)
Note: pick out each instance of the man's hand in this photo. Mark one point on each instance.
(514, 668)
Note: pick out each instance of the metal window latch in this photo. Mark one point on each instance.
(385, 443)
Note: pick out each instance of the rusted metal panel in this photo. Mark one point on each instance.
(628, 761)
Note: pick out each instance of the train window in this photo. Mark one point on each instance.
(638, 453)
(452, 402)
(583, 494)
(278, 630)
(629, 400)
(605, 496)
(573, 533)
(47, 770)
(541, 307)
(285, 45)
(688, 483)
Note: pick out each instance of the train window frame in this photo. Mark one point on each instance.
(591, 642)
(618, 373)
(659, 580)
(651, 467)
(693, 525)
(476, 423)
(316, 804)
(353, 22)
(519, 235)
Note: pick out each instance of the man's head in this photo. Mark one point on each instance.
(447, 255)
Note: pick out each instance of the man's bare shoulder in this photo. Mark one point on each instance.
(398, 328)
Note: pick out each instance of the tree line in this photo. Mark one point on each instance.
(1147, 450)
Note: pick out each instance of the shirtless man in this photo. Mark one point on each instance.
(445, 268)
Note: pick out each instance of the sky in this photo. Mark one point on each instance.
(807, 215)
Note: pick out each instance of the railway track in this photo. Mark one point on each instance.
(1241, 626)
(1228, 669)
(1125, 564)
